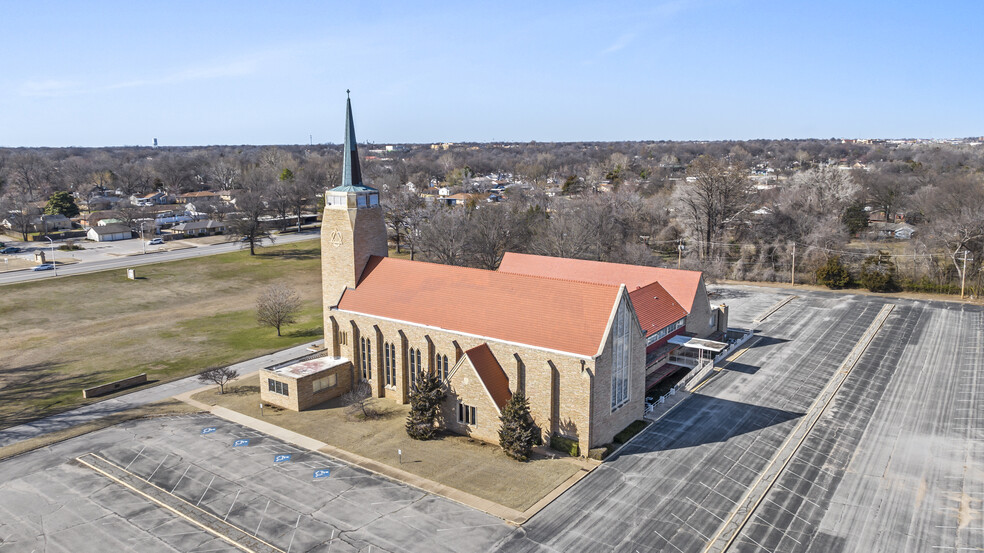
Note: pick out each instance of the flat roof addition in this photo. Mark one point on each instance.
(698, 343)
(309, 367)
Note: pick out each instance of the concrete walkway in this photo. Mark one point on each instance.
(138, 398)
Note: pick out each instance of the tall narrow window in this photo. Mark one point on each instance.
(621, 357)
(367, 358)
(389, 366)
(414, 359)
(441, 362)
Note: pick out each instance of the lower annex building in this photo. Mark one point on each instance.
(576, 337)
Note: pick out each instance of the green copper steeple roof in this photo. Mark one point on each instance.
(351, 170)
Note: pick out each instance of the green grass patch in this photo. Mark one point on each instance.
(629, 432)
(178, 318)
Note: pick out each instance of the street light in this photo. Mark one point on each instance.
(53, 264)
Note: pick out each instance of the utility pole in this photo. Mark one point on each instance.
(792, 272)
(963, 274)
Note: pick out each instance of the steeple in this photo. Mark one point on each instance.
(351, 170)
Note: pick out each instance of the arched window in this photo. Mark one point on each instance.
(389, 353)
(441, 362)
(415, 367)
(366, 358)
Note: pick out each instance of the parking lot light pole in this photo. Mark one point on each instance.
(53, 264)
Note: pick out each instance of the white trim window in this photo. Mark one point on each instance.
(665, 331)
(366, 359)
(621, 356)
(278, 387)
(466, 414)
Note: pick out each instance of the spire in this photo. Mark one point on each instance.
(351, 171)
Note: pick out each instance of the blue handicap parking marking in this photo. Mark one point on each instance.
(241, 443)
(208, 430)
(322, 473)
(281, 458)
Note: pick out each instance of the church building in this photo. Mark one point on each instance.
(572, 335)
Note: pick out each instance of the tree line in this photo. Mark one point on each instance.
(735, 209)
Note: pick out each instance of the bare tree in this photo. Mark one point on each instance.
(565, 235)
(245, 224)
(359, 401)
(444, 237)
(398, 207)
(492, 231)
(277, 306)
(219, 376)
(711, 200)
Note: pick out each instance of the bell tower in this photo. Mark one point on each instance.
(352, 227)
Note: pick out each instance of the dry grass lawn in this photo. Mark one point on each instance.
(61, 335)
(469, 465)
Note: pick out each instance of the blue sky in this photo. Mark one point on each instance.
(198, 73)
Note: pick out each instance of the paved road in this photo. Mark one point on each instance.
(137, 398)
(137, 260)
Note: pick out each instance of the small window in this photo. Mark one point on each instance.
(466, 414)
(343, 338)
(278, 387)
(324, 383)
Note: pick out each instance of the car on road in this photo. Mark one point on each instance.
(44, 267)
(10, 249)
(156, 242)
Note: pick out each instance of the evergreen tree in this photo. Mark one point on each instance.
(426, 395)
(517, 435)
(833, 274)
(878, 273)
(61, 203)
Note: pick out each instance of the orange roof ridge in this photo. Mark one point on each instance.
(680, 283)
(462, 267)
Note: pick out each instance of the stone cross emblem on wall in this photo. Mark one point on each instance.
(335, 238)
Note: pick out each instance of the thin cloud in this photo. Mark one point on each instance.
(619, 43)
(57, 88)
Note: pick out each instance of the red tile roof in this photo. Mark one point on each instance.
(549, 313)
(655, 308)
(681, 284)
(490, 373)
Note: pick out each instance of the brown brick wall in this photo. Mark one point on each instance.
(302, 395)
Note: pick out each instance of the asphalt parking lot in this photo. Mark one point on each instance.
(49, 503)
(892, 462)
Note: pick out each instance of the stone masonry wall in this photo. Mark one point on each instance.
(558, 390)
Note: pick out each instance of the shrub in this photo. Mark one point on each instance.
(518, 432)
(878, 274)
(600, 453)
(833, 274)
(629, 431)
(565, 445)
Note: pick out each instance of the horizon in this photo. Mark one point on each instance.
(115, 75)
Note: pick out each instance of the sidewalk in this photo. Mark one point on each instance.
(144, 396)
(511, 516)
